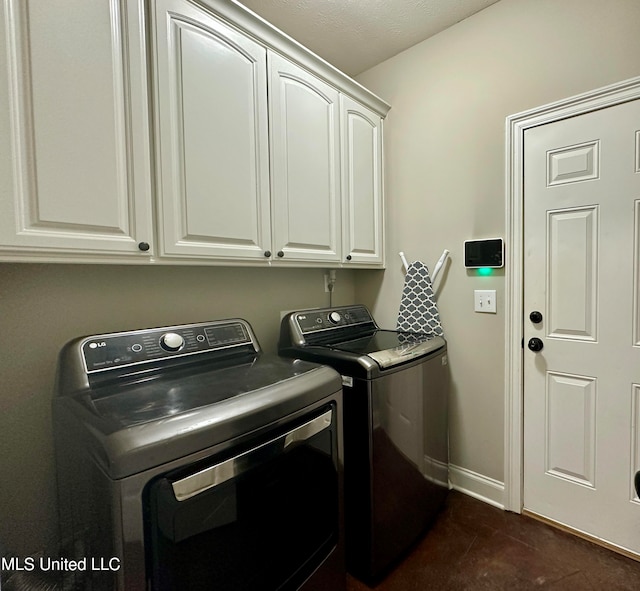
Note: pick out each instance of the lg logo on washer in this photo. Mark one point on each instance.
(96, 345)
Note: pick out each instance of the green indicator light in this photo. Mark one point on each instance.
(484, 271)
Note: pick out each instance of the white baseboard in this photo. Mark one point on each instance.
(476, 485)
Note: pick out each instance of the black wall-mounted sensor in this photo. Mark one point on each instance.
(484, 253)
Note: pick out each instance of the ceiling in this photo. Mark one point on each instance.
(355, 35)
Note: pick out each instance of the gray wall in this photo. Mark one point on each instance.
(445, 150)
(44, 306)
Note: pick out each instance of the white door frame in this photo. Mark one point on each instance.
(516, 125)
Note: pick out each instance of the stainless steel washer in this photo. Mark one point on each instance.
(187, 459)
(395, 426)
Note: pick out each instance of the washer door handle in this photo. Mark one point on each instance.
(201, 481)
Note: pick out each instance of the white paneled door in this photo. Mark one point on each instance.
(582, 348)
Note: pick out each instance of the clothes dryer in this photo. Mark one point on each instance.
(188, 459)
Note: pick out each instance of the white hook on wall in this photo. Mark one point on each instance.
(436, 270)
(441, 260)
(404, 261)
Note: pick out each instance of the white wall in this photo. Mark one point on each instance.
(445, 150)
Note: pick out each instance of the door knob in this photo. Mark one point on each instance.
(535, 344)
(535, 317)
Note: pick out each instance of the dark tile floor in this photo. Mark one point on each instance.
(476, 546)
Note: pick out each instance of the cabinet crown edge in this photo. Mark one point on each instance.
(247, 21)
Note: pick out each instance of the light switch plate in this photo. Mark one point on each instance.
(485, 301)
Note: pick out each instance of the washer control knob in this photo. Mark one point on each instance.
(171, 341)
(335, 317)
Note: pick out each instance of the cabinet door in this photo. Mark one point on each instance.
(212, 123)
(305, 164)
(74, 159)
(363, 229)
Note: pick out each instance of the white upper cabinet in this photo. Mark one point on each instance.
(74, 160)
(362, 190)
(213, 158)
(246, 149)
(305, 164)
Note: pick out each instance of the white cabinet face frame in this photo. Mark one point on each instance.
(305, 164)
(362, 184)
(79, 138)
(212, 123)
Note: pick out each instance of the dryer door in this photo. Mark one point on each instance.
(263, 516)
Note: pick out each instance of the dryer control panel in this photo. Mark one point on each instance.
(110, 351)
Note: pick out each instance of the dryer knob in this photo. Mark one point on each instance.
(171, 341)
(335, 317)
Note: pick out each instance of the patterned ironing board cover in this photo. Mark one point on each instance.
(418, 309)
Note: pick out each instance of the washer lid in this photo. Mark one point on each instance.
(389, 347)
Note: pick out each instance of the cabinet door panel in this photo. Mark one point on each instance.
(213, 129)
(362, 183)
(305, 163)
(78, 138)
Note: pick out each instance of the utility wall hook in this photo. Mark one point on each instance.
(404, 261)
